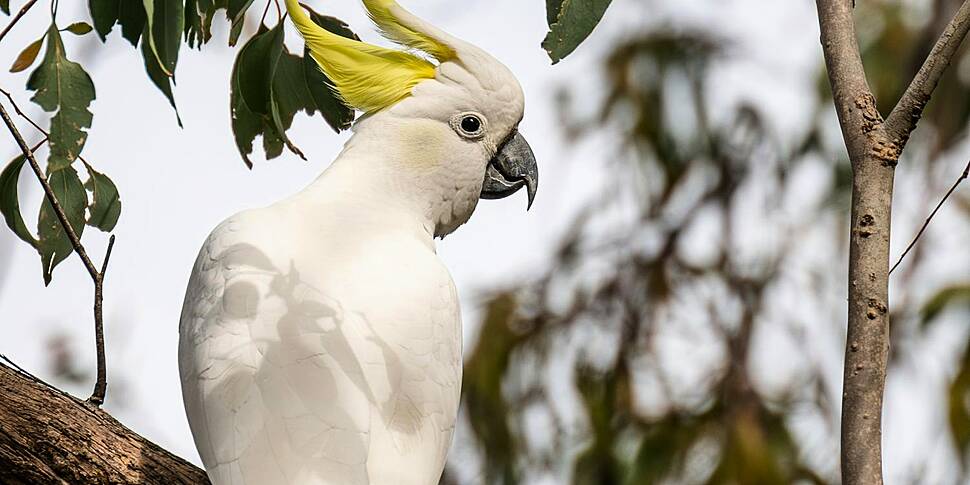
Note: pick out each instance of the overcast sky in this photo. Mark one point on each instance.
(177, 184)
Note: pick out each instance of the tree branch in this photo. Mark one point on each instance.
(97, 396)
(873, 157)
(47, 436)
(908, 111)
(874, 147)
(963, 176)
(20, 14)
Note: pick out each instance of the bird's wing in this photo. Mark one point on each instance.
(283, 384)
(263, 396)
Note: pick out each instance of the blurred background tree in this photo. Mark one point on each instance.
(689, 328)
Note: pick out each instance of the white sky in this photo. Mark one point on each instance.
(177, 184)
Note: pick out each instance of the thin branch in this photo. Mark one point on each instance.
(963, 176)
(58, 209)
(101, 384)
(20, 14)
(903, 118)
(97, 277)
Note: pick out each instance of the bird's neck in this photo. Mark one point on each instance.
(394, 174)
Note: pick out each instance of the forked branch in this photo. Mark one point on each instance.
(874, 147)
(97, 397)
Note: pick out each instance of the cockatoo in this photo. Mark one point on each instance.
(320, 338)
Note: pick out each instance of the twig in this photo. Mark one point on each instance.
(963, 176)
(265, 11)
(20, 14)
(97, 396)
(903, 118)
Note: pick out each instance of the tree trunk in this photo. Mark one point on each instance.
(49, 437)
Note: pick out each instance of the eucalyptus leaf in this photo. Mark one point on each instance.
(79, 28)
(158, 77)
(236, 13)
(257, 66)
(106, 206)
(27, 56)
(132, 18)
(10, 200)
(104, 14)
(54, 245)
(63, 86)
(570, 23)
(5, 6)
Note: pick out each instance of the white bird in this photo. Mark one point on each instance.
(320, 338)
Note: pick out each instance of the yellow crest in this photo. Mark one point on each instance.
(367, 77)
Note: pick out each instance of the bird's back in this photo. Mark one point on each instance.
(320, 351)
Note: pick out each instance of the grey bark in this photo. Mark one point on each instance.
(874, 146)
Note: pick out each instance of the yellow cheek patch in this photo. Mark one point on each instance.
(367, 77)
(424, 143)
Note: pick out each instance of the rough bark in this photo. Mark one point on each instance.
(49, 437)
(874, 148)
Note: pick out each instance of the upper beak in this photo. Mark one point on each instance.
(513, 167)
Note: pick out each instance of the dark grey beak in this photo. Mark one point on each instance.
(513, 167)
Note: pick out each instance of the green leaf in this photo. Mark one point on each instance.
(959, 411)
(158, 77)
(247, 125)
(54, 245)
(27, 56)
(79, 28)
(236, 13)
(257, 66)
(106, 208)
(553, 7)
(288, 95)
(570, 22)
(166, 21)
(10, 201)
(63, 86)
(105, 14)
(132, 18)
(943, 299)
(5, 6)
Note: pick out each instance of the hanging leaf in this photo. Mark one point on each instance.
(246, 124)
(63, 86)
(236, 13)
(10, 201)
(54, 245)
(106, 206)
(257, 66)
(570, 22)
(288, 95)
(104, 14)
(158, 77)
(27, 56)
(79, 28)
(198, 20)
(132, 18)
(166, 21)
(5, 6)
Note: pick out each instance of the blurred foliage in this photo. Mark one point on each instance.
(704, 256)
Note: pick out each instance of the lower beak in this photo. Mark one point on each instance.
(513, 167)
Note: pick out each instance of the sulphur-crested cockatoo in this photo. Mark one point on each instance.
(320, 339)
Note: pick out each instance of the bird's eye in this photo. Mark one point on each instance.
(469, 125)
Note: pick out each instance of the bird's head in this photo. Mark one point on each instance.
(449, 116)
